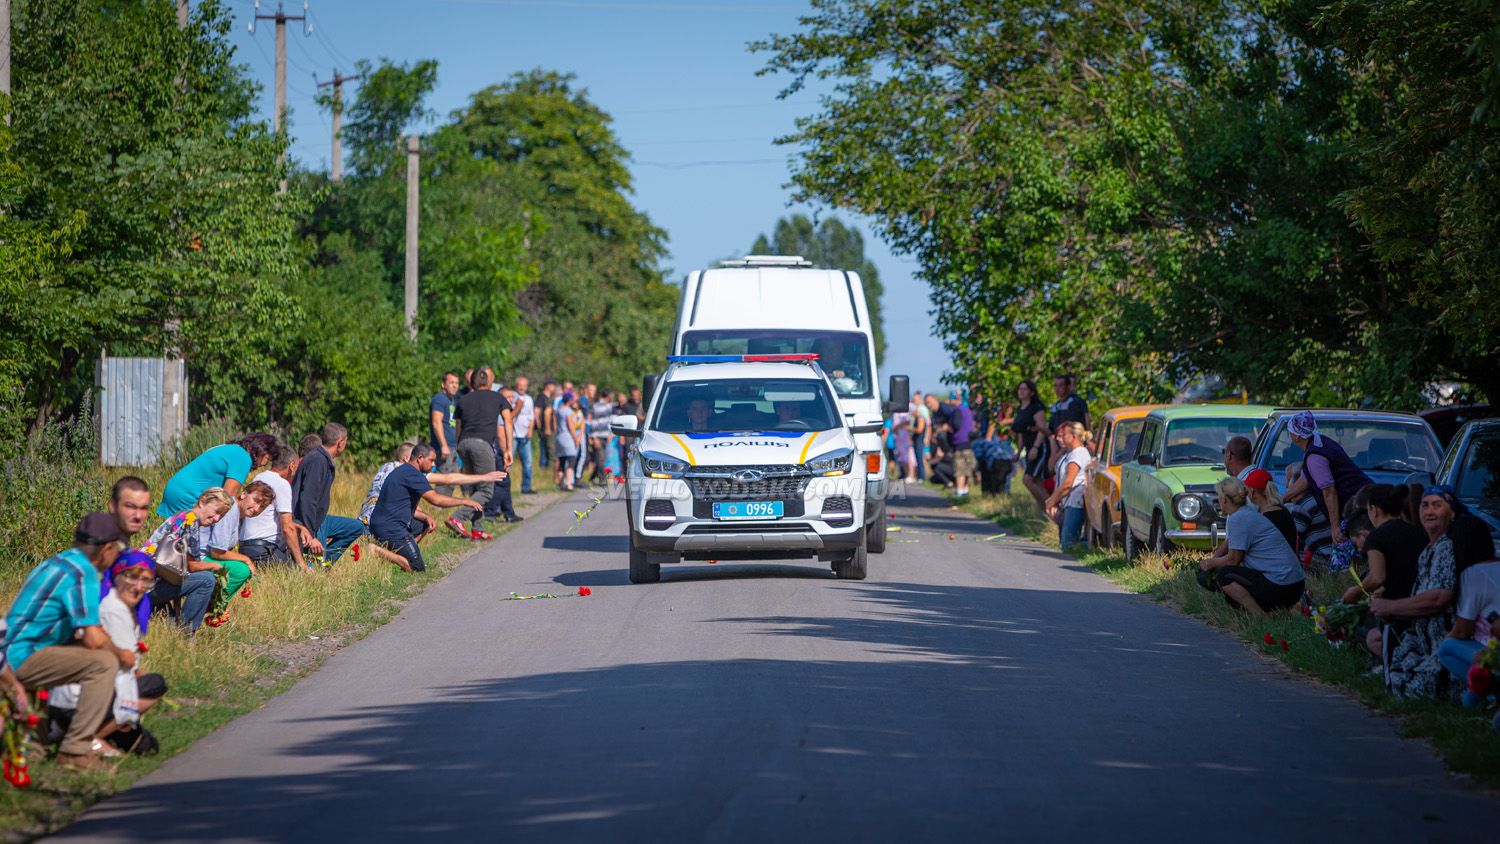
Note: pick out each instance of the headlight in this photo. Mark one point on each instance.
(1189, 507)
(833, 463)
(659, 465)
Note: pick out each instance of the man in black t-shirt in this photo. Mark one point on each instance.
(1068, 407)
(404, 488)
(479, 416)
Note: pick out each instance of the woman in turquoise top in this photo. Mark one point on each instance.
(225, 466)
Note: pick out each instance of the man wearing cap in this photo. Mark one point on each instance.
(1327, 472)
(58, 604)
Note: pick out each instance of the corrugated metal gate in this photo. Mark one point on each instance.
(142, 408)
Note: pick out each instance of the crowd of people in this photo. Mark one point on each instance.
(1424, 567)
(75, 628)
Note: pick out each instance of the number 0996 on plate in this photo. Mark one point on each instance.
(731, 510)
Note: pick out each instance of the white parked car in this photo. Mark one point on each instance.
(744, 457)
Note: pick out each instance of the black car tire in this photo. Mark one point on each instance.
(856, 566)
(1107, 533)
(1159, 541)
(1132, 545)
(875, 542)
(641, 570)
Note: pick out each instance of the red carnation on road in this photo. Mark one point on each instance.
(584, 591)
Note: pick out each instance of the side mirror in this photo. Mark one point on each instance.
(648, 388)
(867, 428)
(623, 426)
(899, 395)
(1146, 460)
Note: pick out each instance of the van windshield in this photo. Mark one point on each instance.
(742, 405)
(844, 355)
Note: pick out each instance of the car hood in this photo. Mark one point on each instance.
(759, 448)
(1191, 476)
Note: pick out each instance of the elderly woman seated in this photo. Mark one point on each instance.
(1477, 609)
(1414, 668)
(1258, 571)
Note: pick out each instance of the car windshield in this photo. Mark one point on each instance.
(1202, 441)
(1478, 476)
(1381, 445)
(844, 355)
(1127, 435)
(743, 405)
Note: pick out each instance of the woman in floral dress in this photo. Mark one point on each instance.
(1414, 670)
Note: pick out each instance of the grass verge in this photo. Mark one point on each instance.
(285, 629)
(1465, 739)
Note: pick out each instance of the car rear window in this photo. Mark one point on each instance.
(1377, 445)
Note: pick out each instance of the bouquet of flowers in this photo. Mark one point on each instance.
(17, 771)
(1338, 622)
(1482, 672)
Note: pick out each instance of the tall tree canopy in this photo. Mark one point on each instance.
(1291, 195)
(830, 244)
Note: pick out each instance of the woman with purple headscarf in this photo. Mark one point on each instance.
(1328, 473)
(125, 614)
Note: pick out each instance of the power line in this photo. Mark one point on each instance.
(677, 109)
(684, 165)
(320, 33)
(760, 138)
(597, 5)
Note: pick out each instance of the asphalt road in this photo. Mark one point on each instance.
(968, 690)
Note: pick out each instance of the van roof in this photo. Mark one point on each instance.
(774, 297)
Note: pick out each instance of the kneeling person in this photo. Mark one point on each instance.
(1258, 571)
(403, 490)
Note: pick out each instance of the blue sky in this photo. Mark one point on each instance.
(675, 75)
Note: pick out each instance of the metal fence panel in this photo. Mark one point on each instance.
(142, 408)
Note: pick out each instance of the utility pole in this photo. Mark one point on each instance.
(413, 179)
(278, 120)
(338, 120)
(5, 54)
(182, 14)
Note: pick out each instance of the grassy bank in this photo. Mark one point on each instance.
(290, 622)
(1465, 739)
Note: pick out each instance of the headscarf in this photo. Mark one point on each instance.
(1305, 425)
(1447, 493)
(129, 560)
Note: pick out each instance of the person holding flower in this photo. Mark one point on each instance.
(224, 541)
(1413, 669)
(1257, 571)
(197, 588)
(125, 615)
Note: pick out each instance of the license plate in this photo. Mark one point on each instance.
(726, 510)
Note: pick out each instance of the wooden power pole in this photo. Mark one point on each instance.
(278, 120)
(413, 180)
(182, 14)
(338, 120)
(5, 54)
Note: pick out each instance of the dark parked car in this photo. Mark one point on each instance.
(1446, 421)
(1388, 446)
(1472, 467)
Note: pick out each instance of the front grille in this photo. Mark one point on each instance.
(769, 527)
(770, 471)
(767, 489)
(838, 511)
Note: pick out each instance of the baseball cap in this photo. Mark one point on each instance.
(1258, 479)
(98, 529)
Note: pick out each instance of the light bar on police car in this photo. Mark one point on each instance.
(790, 358)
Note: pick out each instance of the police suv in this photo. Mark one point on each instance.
(744, 457)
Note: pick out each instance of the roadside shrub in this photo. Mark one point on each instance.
(46, 486)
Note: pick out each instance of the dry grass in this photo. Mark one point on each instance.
(290, 622)
(1465, 739)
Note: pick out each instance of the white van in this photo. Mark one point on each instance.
(772, 304)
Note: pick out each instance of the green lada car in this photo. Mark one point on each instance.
(1167, 490)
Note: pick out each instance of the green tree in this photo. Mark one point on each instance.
(830, 244)
(149, 204)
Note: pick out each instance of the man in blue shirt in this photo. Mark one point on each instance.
(395, 508)
(440, 419)
(58, 604)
